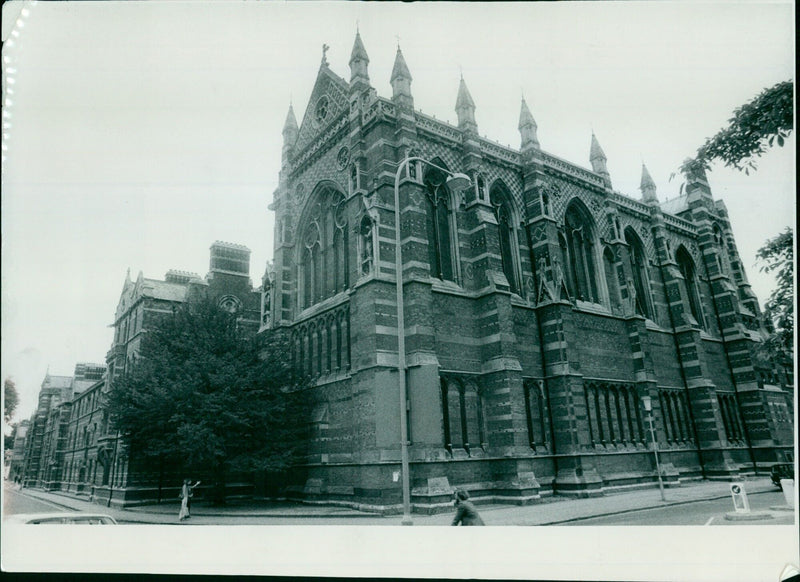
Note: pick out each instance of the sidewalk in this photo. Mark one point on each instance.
(550, 511)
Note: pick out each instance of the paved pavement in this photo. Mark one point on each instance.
(550, 511)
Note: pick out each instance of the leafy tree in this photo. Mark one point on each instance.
(754, 127)
(11, 399)
(203, 393)
(777, 256)
(8, 439)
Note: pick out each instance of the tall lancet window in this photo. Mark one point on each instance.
(687, 269)
(440, 223)
(323, 257)
(507, 232)
(581, 270)
(641, 283)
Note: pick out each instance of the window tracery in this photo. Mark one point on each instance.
(440, 225)
(507, 232)
(687, 270)
(323, 268)
(578, 247)
(638, 263)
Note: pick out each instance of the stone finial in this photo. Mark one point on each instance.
(648, 187)
(359, 61)
(596, 152)
(597, 157)
(401, 82)
(400, 69)
(527, 126)
(465, 108)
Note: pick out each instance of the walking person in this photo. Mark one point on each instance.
(187, 491)
(466, 514)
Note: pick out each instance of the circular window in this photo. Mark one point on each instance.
(322, 109)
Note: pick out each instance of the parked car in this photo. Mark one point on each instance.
(76, 518)
(781, 471)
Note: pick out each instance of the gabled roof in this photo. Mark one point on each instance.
(335, 90)
(676, 205)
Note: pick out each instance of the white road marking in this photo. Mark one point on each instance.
(710, 519)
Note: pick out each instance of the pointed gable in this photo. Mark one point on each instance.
(327, 102)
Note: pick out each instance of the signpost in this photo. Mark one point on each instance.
(739, 495)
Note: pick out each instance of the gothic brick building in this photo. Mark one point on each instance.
(540, 306)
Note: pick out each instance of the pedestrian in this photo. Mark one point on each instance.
(466, 514)
(187, 491)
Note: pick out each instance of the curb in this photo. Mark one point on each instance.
(635, 509)
(141, 516)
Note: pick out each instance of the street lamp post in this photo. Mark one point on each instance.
(456, 181)
(648, 407)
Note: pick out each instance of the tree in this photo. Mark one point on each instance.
(8, 439)
(204, 395)
(755, 126)
(777, 256)
(11, 399)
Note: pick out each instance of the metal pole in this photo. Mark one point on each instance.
(401, 329)
(655, 452)
(401, 350)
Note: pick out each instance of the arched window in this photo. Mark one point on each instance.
(507, 231)
(462, 415)
(580, 250)
(535, 413)
(440, 219)
(687, 269)
(323, 254)
(641, 284)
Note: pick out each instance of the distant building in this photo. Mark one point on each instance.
(71, 444)
(142, 303)
(18, 451)
(54, 390)
(541, 306)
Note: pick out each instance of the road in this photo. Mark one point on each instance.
(698, 513)
(15, 502)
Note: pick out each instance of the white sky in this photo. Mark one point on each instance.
(136, 134)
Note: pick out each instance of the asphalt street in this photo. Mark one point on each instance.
(15, 502)
(711, 512)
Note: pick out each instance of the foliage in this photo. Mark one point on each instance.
(8, 439)
(754, 127)
(201, 392)
(11, 399)
(777, 256)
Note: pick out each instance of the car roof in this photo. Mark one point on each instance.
(72, 516)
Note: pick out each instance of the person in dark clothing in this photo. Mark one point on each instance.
(466, 514)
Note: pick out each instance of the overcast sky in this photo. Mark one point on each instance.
(136, 134)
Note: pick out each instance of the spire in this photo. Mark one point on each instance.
(290, 132)
(465, 108)
(290, 125)
(648, 187)
(596, 152)
(358, 62)
(400, 69)
(527, 127)
(597, 157)
(401, 82)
